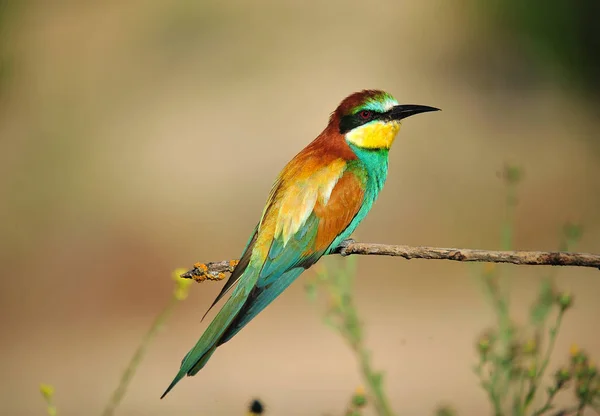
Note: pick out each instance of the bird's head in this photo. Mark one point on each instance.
(371, 119)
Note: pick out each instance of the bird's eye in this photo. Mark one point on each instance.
(365, 114)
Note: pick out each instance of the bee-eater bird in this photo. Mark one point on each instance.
(317, 201)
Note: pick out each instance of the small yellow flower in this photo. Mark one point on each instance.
(579, 359)
(359, 399)
(182, 286)
(574, 350)
(47, 391)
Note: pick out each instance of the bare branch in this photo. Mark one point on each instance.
(217, 270)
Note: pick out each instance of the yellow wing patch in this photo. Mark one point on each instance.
(300, 196)
(375, 135)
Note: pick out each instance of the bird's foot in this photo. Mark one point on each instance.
(342, 248)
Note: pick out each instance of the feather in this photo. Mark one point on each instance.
(273, 260)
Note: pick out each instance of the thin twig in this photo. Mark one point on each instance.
(217, 270)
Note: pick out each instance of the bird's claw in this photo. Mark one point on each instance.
(342, 248)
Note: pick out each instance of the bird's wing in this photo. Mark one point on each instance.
(311, 204)
(306, 215)
(305, 187)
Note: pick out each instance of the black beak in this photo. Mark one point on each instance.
(406, 110)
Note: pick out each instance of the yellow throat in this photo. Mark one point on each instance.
(375, 135)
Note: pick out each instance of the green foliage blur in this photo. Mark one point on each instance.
(560, 37)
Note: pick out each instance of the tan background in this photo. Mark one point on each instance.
(137, 137)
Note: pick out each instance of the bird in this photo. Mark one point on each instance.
(316, 202)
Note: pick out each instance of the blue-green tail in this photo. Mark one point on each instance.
(246, 301)
(198, 356)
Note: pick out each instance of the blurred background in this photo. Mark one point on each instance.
(141, 136)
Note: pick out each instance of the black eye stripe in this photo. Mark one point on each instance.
(351, 121)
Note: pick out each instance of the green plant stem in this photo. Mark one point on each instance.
(343, 317)
(139, 354)
(351, 330)
(518, 396)
(547, 405)
(508, 224)
(51, 409)
(495, 398)
(535, 383)
(488, 386)
(374, 384)
(499, 381)
(498, 384)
